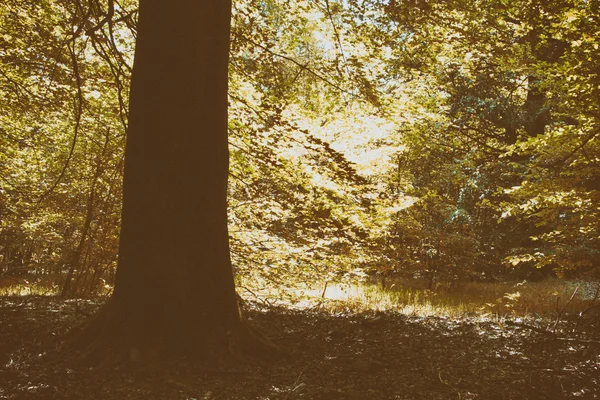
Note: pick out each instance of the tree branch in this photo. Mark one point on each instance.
(78, 113)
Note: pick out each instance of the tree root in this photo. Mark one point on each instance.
(106, 340)
(247, 342)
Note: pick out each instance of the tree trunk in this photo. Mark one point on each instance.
(174, 288)
(537, 115)
(90, 209)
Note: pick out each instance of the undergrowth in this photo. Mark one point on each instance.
(11, 286)
(473, 299)
(468, 299)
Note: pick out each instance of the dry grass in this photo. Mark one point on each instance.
(10, 286)
(477, 299)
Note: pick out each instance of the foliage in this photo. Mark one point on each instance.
(501, 131)
(444, 140)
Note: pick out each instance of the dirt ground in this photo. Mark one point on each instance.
(346, 356)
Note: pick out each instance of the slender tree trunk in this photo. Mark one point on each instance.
(537, 115)
(89, 217)
(432, 271)
(76, 257)
(174, 288)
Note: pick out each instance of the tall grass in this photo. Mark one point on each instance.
(10, 286)
(468, 299)
(472, 299)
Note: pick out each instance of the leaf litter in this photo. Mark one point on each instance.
(329, 356)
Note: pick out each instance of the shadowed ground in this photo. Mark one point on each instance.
(343, 356)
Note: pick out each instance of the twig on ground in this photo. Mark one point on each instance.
(295, 385)
(449, 385)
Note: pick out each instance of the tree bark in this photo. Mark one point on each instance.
(174, 288)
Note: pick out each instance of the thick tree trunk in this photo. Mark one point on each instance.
(174, 289)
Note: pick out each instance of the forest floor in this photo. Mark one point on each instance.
(332, 356)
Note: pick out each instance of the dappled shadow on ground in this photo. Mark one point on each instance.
(376, 356)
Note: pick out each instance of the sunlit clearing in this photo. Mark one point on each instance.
(27, 289)
(483, 301)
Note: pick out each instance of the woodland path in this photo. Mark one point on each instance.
(383, 356)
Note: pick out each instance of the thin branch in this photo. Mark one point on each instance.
(577, 148)
(343, 164)
(107, 18)
(116, 72)
(464, 131)
(19, 86)
(78, 114)
(257, 297)
(304, 67)
(74, 35)
(337, 36)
